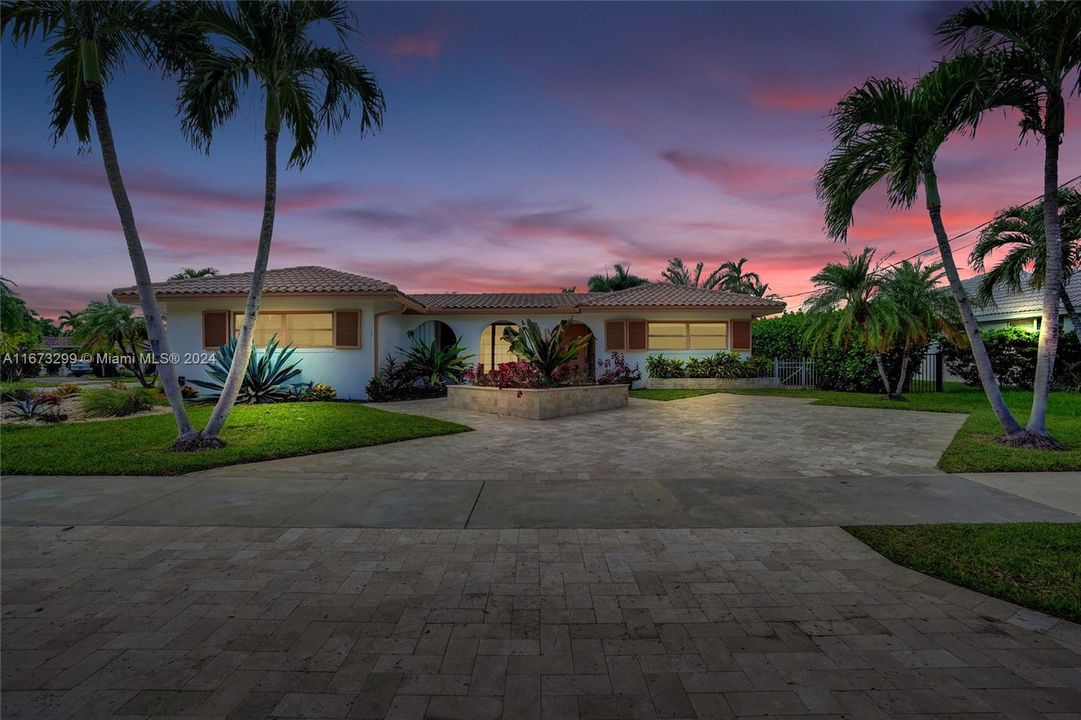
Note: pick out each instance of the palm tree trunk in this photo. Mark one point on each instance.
(1075, 317)
(1048, 347)
(1013, 430)
(904, 375)
(155, 327)
(882, 372)
(251, 311)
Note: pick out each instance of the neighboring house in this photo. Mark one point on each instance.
(1021, 310)
(344, 325)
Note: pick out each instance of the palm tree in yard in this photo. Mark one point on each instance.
(1041, 45)
(620, 279)
(913, 310)
(1020, 231)
(679, 273)
(733, 278)
(108, 327)
(304, 85)
(89, 43)
(186, 273)
(886, 131)
(844, 307)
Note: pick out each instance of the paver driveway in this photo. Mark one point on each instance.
(521, 624)
(712, 436)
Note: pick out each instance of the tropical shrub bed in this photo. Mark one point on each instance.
(423, 372)
(1013, 358)
(719, 365)
(849, 369)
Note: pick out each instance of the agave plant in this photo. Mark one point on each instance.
(435, 365)
(545, 350)
(266, 379)
(33, 406)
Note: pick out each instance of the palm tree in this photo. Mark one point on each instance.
(67, 320)
(844, 307)
(885, 130)
(1041, 45)
(188, 272)
(733, 278)
(1021, 230)
(678, 273)
(304, 84)
(89, 42)
(913, 310)
(108, 327)
(621, 279)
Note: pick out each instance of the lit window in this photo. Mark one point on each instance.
(688, 336)
(302, 329)
(494, 350)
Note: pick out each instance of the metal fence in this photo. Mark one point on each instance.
(802, 373)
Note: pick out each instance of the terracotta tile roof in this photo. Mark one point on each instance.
(665, 295)
(304, 280)
(502, 301)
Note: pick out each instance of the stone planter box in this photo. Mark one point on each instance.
(711, 383)
(538, 404)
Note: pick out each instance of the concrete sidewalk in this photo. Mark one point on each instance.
(351, 500)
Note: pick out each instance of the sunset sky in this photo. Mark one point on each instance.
(525, 147)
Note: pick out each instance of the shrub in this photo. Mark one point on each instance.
(398, 381)
(615, 371)
(320, 393)
(109, 402)
(1013, 358)
(34, 406)
(16, 390)
(118, 385)
(518, 374)
(427, 361)
(67, 390)
(658, 366)
(265, 379)
(546, 350)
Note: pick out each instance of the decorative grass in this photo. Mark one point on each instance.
(1037, 565)
(142, 445)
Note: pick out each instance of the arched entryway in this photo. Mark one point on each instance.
(493, 349)
(586, 362)
(435, 330)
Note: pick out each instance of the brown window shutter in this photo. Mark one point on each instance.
(615, 335)
(636, 334)
(347, 328)
(215, 328)
(741, 334)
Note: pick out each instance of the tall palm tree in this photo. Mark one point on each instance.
(89, 43)
(733, 278)
(678, 273)
(305, 85)
(844, 307)
(886, 131)
(1041, 44)
(1020, 230)
(108, 327)
(913, 310)
(188, 272)
(620, 279)
(67, 320)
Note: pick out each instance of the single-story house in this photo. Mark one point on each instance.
(1023, 309)
(344, 325)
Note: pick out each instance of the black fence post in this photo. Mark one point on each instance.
(940, 375)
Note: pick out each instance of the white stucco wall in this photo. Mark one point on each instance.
(468, 328)
(346, 370)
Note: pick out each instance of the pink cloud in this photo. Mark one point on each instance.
(772, 97)
(742, 177)
(421, 45)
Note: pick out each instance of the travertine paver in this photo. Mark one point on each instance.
(711, 436)
(520, 624)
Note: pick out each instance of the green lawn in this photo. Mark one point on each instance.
(669, 394)
(974, 448)
(1037, 565)
(141, 446)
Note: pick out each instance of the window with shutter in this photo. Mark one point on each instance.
(347, 328)
(215, 328)
(615, 335)
(741, 334)
(636, 334)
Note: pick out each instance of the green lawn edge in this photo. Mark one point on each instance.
(142, 445)
(974, 447)
(1035, 565)
(669, 394)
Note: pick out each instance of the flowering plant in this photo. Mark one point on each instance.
(615, 371)
(518, 374)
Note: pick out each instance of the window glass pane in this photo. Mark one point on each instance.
(664, 342)
(309, 321)
(708, 342)
(703, 328)
(311, 338)
(266, 324)
(502, 352)
(656, 328)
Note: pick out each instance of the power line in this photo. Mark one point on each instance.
(934, 248)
